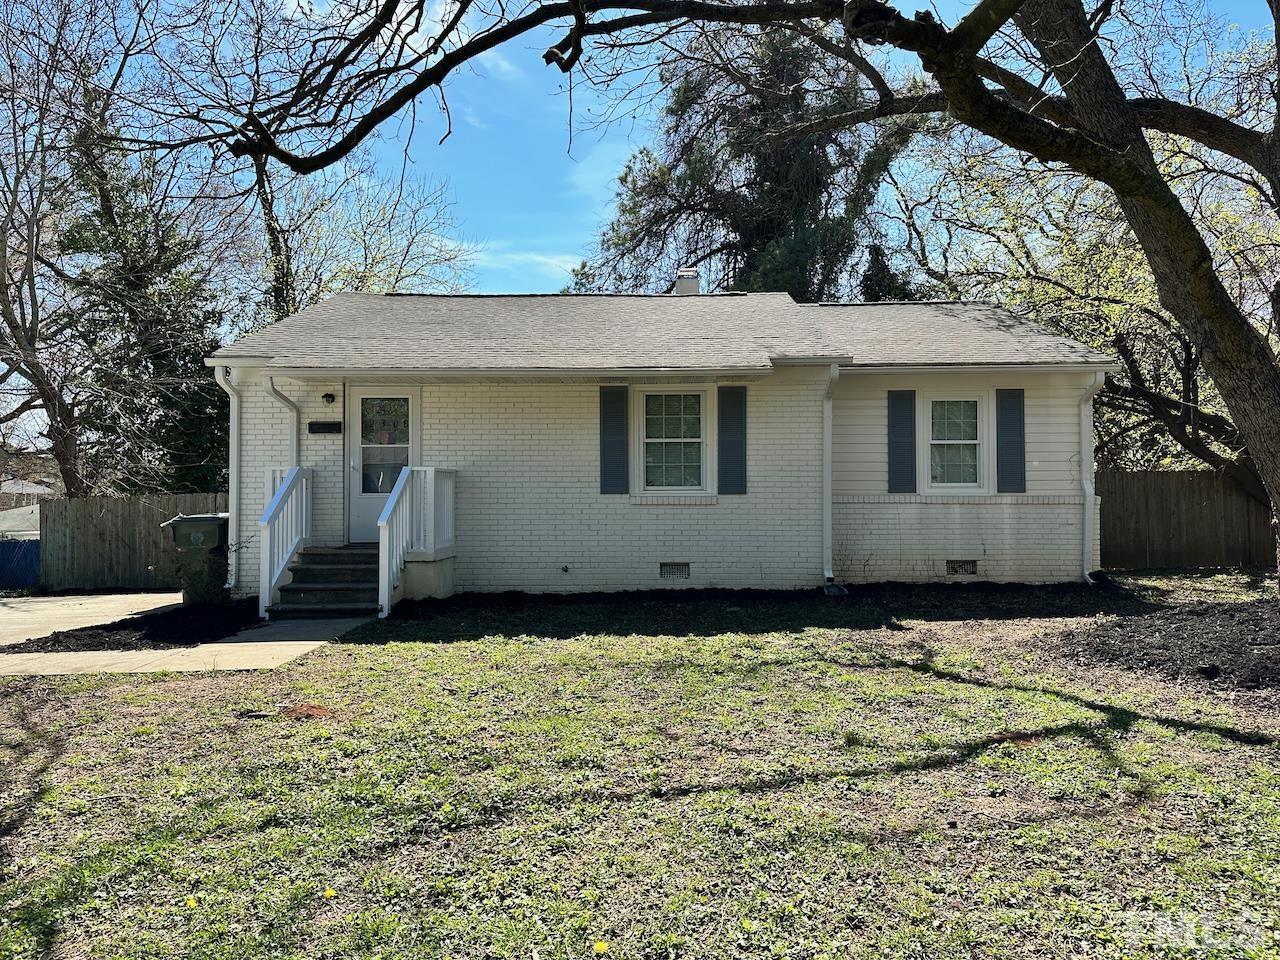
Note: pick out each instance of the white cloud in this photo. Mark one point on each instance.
(555, 265)
(502, 65)
(472, 119)
(594, 178)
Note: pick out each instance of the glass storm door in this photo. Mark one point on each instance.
(380, 444)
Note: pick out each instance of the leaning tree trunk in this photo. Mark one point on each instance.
(1235, 353)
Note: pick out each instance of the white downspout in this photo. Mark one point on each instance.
(222, 376)
(827, 571)
(1086, 473)
(295, 425)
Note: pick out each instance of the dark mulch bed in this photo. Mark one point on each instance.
(1235, 644)
(161, 630)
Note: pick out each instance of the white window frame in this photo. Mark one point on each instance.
(708, 439)
(985, 442)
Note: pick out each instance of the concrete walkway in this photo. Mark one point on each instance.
(258, 648)
(22, 618)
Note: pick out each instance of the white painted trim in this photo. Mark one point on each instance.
(973, 499)
(828, 565)
(986, 443)
(1066, 367)
(674, 499)
(1086, 474)
(521, 373)
(223, 377)
(708, 439)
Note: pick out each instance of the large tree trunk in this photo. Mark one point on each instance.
(283, 288)
(1235, 353)
(64, 445)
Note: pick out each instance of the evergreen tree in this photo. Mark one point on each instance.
(722, 191)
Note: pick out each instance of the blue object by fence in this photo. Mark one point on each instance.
(19, 563)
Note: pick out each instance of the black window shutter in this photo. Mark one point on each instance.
(1011, 442)
(902, 441)
(615, 474)
(731, 443)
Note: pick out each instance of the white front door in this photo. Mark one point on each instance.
(381, 440)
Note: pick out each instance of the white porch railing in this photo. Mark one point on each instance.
(417, 520)
(284, 529)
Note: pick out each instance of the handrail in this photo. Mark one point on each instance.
(394, 537)
(285, 527)
(418, 519)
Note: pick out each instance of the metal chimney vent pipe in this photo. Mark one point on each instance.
(688, 283)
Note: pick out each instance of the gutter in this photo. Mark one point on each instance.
(1088, 518)
(828, 575)
(222, 376)
(295, 426)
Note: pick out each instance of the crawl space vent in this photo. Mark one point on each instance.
(673, 571)
(962, 568)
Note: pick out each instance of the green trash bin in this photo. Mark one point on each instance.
(201, 540)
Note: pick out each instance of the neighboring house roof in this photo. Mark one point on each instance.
(20, 522)
(585, 332)
(28, 487)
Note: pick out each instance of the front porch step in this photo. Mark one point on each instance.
(318, 573)
(339, 556)
(327, 593)
(330, 582)
(310, 611)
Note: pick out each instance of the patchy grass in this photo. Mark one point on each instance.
(907, 773)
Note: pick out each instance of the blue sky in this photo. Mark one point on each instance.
(526, 194)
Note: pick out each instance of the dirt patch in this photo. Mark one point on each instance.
(1234, 644)
(159, 630)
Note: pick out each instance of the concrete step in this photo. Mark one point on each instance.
(326, 593)
(304, 572)
(339, 555)
(301, 611)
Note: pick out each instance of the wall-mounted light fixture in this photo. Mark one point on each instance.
(327, 397)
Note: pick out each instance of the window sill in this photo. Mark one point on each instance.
(674, 499)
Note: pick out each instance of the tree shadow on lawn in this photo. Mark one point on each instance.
(714, 612)
(40, 908)
(25, 761)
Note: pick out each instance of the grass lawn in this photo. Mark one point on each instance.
(908, 772)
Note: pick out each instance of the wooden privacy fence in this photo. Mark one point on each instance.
(1181, 518)
(114, 542)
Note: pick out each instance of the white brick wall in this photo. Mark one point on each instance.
(529, 504)
(1029, 539)
(264, 444)
(528, 501)
(1034, 537)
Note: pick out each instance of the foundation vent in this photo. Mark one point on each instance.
(673, 571)
(962, 568)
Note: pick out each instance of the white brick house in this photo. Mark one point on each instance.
(578, 442)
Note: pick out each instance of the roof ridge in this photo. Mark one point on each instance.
(514, 296)
(899, 303)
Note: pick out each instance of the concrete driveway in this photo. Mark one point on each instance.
(22, 618)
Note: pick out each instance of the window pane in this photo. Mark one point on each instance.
(380, 466)
(953, 463)
(384, 420)
(653, 427)
(671, 404)
(692, 426)
(653, 405)
(955, 419)
(668, 464)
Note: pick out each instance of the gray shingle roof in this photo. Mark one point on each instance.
(360, 331)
